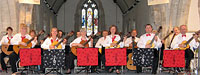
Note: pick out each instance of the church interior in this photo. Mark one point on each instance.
(94, 16)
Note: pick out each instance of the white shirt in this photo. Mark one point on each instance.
(5, 39)
(102, 42)
(143, 40)
(48, 42)
(117, 38)
(17, 38)
(179, 39)
(78, 40)
(129, 40)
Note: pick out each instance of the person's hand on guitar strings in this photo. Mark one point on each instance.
(64, 41)
(147, 46)
(23, 43)
(181, 45)
(52, 47)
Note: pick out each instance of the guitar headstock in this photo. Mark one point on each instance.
(128, 34)
(41, 32)
(172, 31)
(159, 29)
(98, 33)
(71, 33)
(198, 32)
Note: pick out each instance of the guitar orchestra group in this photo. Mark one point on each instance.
(110, 39)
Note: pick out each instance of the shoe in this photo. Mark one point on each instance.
(110, 70)
(117, 71)
(68, 72)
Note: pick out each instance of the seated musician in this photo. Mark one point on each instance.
(113, 38)
(60, 34)
(103, 41)
(32, 33)
(128, 41)
(77, 42)
(18, 40)
(5, 41)
(142, 43)
(47, 44)
(78, 34)
(177, 43)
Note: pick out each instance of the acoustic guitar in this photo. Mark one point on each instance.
(58, 44)
(16, 48)
(129, 64)
(186, 43)
(151, 41)
(84, 43)
(131, 44)
(4, 49)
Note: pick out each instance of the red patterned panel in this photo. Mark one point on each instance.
(115, 57)
(29, 57)
(87, 56)
(174, 58)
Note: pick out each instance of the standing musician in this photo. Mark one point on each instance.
(17, 40)
(5, 41)
(128, 41)
(177, 43)
(113, 37)
(47, 44)
(77, 42)
(142, 44)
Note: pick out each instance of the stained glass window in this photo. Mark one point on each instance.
(90, 17)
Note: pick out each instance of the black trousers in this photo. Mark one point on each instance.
(70, 60)
(3, 65)
(13, 57)
(154, 65)
(108, 67)
(189, 55)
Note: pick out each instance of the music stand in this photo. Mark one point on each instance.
(87, 57)
(54, 59)
(30, 57)
(174, 58)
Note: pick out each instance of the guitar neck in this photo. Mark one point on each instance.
(86, 42)
(61, 41)
(153, 39)
(32, 39)
(189, 40)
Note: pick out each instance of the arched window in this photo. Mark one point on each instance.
(90, 17)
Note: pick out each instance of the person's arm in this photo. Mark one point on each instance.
(98, 44)
(141, 43)
(76, 42)
(157, 43)
(46, 44)
(16, 39)
(175, 42)
(3, 41)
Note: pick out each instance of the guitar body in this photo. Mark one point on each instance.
(17, 47)
(130, 65)
(4, 48)
(118, 46)
(55, 43)
(187, 46)
(74, 48)
(148, 42)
